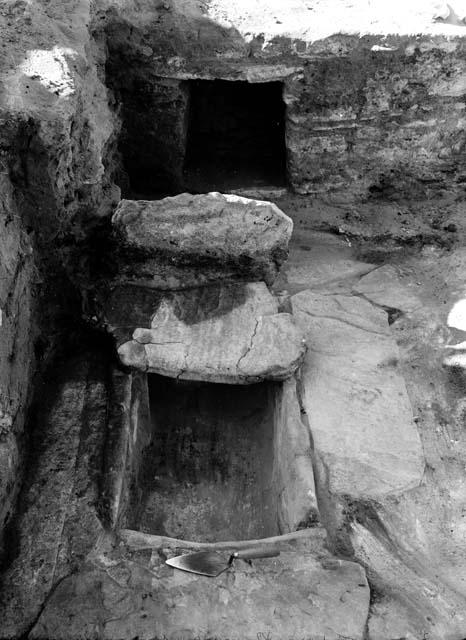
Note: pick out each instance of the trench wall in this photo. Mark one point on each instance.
(56, 129)
(362, 118)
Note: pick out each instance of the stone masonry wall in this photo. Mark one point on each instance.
(365, 115)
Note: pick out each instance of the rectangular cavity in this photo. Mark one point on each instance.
(206, 461)
(208, 472)
(236, 135)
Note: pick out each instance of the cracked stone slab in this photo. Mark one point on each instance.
(385, 287)
(303, 593)
(214, 232)
(356, 400)
(231, 334)
(319, 260)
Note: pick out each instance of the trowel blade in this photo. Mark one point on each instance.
(204, 563)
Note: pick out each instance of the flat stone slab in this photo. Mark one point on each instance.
(319, 260)
(231, 334)
(210, 231)
(356, 399)
(303, 593)
(385, 286)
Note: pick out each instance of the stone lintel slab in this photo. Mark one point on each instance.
(213, 230)
(356, 399)
(229, 334)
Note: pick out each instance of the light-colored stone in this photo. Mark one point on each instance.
(303, 593)
(356, 400)
(128, 433)
(209, 230)
(385, 287)
(293, 471)
(232, 334)
(320, 260)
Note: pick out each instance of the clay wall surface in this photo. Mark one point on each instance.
(55, 125)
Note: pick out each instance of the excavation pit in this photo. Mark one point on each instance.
(216, 465)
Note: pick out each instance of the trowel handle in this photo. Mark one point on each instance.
(256, 552)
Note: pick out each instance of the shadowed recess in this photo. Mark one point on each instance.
(236, 134)
(208, 471)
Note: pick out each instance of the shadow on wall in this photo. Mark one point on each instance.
(191, 134)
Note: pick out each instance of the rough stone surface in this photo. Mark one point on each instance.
(424, 605)
(356, 401)
(376, 110)
(231, 334)
(303, 593)
(412, 545)
(17, 335)
(410, 542)
(216, 230)
(389, 619)
(166, 276)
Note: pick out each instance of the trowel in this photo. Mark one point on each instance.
(213, 563)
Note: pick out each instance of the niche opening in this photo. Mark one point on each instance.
(235, 135)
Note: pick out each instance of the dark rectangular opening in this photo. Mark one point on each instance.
(208, 472)
(152, 143)
(236, 135)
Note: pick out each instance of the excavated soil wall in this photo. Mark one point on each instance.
(368, 118)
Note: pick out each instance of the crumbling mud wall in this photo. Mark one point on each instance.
(16, 346)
